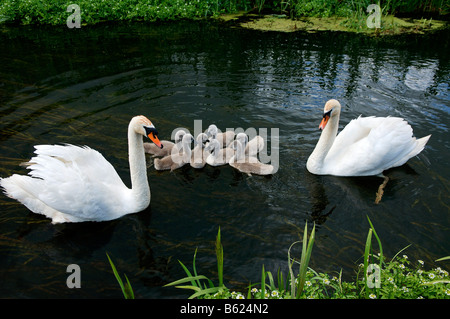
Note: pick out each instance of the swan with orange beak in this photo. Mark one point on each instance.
(366, 146)
(68, 183)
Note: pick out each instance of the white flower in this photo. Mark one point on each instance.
(308, 283)
(240, 296)
(421, 262)
(405, 289)
(401, 266)
(372, 296)
(326, 281)
(391, 280)
(254, 290)
(431, 275)
(404, 256)
(274, 293)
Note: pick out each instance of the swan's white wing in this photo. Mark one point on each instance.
(368, 146)
(77, 181)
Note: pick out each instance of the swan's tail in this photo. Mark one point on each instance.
(420, 145)
(24, 189)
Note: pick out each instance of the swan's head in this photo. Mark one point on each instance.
(212, 131)
(332, 108)
(144, 126)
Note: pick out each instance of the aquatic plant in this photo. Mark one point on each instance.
(205, 288)
(127, 290)
(396, 279)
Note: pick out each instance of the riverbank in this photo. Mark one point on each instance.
(390, 25)
(291, 16)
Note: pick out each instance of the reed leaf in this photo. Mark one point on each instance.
(187, 279)
(126, 288)
(219, 254)
(304, 260)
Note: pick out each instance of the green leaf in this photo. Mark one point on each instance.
(126, 289)
(187, 279)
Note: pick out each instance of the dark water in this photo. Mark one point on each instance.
(83, 86)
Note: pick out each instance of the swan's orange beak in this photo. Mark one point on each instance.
(155, 140)
(153, 135)
(325, 120)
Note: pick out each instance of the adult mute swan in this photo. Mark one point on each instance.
(248, 164)
(69, 183)
(366, 146)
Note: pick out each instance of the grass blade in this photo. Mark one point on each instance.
(263, 283)
(378, 240)
(366, 259)
(127, 290)
(187, 279)
(305, 257)
(219, 254)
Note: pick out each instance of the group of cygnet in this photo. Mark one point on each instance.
(213, 148)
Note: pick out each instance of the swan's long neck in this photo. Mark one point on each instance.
(326, 140)
(140, 188)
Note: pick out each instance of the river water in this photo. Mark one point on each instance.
(82, 86)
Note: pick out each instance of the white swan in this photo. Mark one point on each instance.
(178, 157)
(68, 183)
(218, 156)
(248, 164)
(366, 146)
(224, 138)
(156, 151)
(253, 147)
(198, 157)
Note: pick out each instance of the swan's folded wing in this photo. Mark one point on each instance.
(368, 146)
(74, 178)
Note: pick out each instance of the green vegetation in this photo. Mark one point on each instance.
(54, 12)
(375, 278)
(127, 290)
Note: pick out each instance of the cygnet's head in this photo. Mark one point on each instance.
(242, 138)
(213, 146)
(202, 138)
(212, 131)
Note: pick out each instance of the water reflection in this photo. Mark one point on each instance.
(83, 88)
